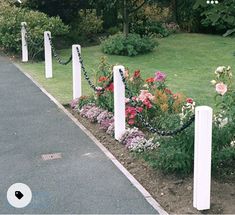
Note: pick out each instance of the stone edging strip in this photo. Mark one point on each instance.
(130, 177)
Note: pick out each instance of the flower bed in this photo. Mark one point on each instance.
(165, 110)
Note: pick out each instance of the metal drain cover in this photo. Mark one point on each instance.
(53, 156)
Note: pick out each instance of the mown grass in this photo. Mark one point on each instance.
(189, 60)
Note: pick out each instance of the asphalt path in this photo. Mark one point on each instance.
(83, 180)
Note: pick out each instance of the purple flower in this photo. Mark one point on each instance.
(74, 103)
(130, 134)
(110, 130)
(103, 116)
(85, 109)
(105, 124)
(160, 76)
(93, 113)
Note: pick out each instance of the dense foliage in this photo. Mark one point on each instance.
(65, 9)
(176, 153)
(86, 26)
(131, 45)
(37, 22)
(220, 16)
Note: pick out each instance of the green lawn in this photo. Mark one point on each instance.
(189, 60)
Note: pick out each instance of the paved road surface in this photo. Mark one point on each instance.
(83, 181)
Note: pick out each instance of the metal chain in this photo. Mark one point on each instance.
(150, 127)
(95, 88)
(29, 39)
(57, 57)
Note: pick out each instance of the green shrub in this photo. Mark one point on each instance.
(86, 26)
(219, 16)
(149, 28)
(175, 154)
(37, 22)
(131, 45)
(113, 30)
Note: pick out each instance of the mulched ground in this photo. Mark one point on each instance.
(173, 193)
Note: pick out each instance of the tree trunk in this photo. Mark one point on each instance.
(174, 7)
(125, 19)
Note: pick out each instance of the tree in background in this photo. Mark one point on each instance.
(126, 8)
(220, 17)
(65, 9)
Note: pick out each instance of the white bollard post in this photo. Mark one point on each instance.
(48, 55)
(202, 157)
(24, 42)
(119, 103)
(77, 83)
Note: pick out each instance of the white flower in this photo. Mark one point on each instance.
(146, 86)
(232, 144)
(228, 68)
(220, 69)
(223, 122)
(213, 82)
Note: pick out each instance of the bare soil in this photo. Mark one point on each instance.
(174, 194)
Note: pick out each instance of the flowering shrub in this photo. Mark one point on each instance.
(155, 101)
(225, 98)
(224, 121)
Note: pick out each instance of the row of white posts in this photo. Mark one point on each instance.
(203, 120)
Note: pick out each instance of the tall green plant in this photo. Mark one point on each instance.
(37, 22)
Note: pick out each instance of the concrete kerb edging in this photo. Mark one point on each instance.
(130, 177)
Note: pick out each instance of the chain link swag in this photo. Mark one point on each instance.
(57, 57)
(29, 39)
(92, 86)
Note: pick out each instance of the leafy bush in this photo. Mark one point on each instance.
(219, 16)
(175, 154)
(113, 30)
(37, 22)
(131, 45)
(149, 28)
(86, 26)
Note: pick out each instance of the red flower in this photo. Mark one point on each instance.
(137, 74)
(110, 87)
(102, 78)
(189, 100)
(150, 80)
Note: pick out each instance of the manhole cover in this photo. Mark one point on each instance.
(53, 156)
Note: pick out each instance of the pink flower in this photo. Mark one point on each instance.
(145, 94)
(160, 76)
(221, 88)
(147, 103)
(127, 100)
(99, 88)
(131, 121)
